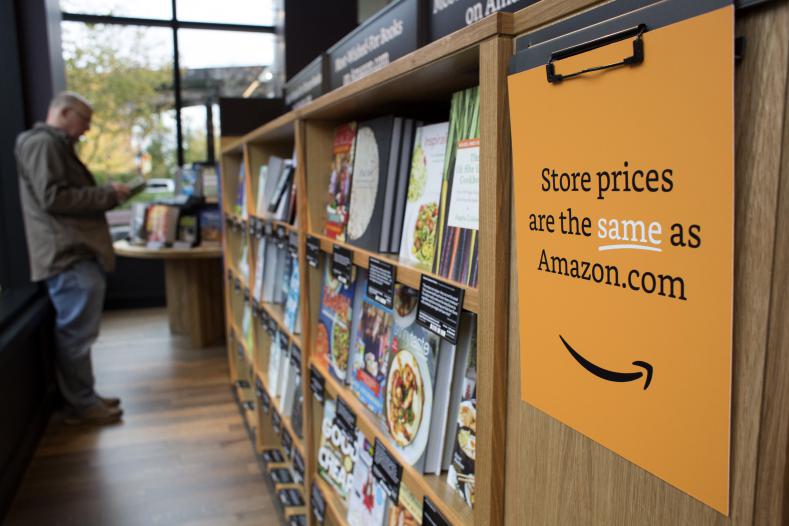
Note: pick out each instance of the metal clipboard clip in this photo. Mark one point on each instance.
(636, 58)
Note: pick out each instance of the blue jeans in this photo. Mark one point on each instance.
(78, 297)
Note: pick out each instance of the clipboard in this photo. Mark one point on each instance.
(623, 187)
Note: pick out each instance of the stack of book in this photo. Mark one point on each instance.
(276, 190)
(420, 388)
(400, 186)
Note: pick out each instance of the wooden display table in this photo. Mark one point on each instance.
(193, 285)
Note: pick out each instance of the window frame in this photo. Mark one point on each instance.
(174, 23)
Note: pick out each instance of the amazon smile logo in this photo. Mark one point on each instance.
(611, 376)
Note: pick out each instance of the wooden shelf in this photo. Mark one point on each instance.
(406, 274)
(286, 420)
(334, 505)
(277, 313)
(451, 505)
(278, 130)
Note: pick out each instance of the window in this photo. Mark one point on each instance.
(154, 76)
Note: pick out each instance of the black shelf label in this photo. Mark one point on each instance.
(268, 229)
(258, 388)
(297, 520)
(287, 443)
(431, 516)
(346, 419)
(439, 308)
(342, 264)
(281, 236)
(298, 466)
(271, 326)
(317, 385)
(281, 476)
(313, 251)
(290, 497)
(318, 504)
(246, 294)
(387, 471)
(237, 284)
(283, 339)
(295, 357)
(265, 402)
(272, 455)
(276, 421)
(255, 308)
(263, 315)
(293, 245)
(380, 282)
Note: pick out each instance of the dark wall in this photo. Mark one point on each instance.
(312, 26)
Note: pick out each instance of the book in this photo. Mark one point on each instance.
(274, 169)
(279, 273)
(187, 231)
(210, 224)
(449, 378)
(274, 357)
(210, 182)
(162, 225)
(246, 329)
(367, 501)
(374, 177)
(407, 511)
(333, 338)
(137, 233)
(458, 227)
(337, 452)
(420, 221)
(260, 201)
(239, 205)
(270, 270)
(360, 291)
(371, 355)
(243, 260)
(283, 184)
(403, 172)
(340, 181)
(410, 379)
(297, 415)
(461, 470)
(260, 262)
(285, 379)
(292, 299)
(391, 183)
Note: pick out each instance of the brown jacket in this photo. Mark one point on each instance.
(62, 205)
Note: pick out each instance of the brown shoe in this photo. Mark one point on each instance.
(110, 401)
(97, 414)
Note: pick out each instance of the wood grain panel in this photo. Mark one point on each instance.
(557, 476)
(544, 13)
(772, 487)
(492, 340)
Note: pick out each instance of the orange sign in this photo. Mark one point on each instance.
(623, 192)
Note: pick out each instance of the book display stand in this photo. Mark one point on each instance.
(529, 467)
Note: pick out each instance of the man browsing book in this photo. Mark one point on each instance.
(70, 246)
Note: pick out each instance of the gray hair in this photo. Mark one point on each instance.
(69, 99)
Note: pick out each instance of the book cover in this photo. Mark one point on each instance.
(367, 501)
(418, 240)
(279, 273)
(260, 262)
(274, 357)
(371, 355)
(340, 181)
(270, 270)
(239, 205)
(187, 231)
(407, 512)
(162, 225)
(283, 183)
(333, 338)
(360, 291)
(371, 170)
(403, 172)
(139, 213)
(458, 227)
(395, 145)
(297, 415)
(461, 471)
(410, 379)
(243, 259)
(274, 169)
(260, 201)
(284, 281)
(337, 452)
(210, 224)
(292, 300)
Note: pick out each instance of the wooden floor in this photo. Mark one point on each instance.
(181, 455)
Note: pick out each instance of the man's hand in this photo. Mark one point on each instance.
(121, 190)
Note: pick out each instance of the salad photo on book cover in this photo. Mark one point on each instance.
(333, 338)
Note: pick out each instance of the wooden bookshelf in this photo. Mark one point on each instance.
(420, 84)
